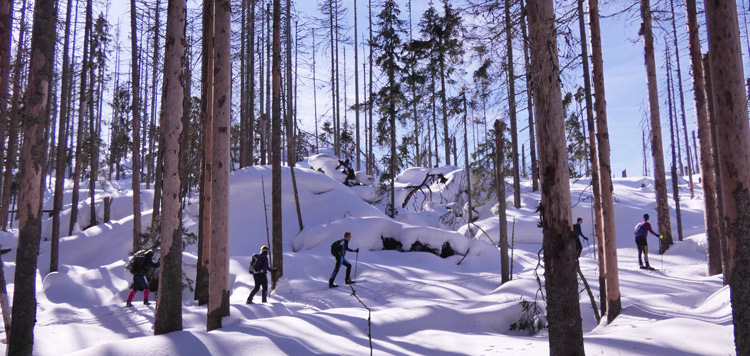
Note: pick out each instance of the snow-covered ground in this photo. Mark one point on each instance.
(419, 303)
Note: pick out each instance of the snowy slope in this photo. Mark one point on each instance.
(420, 304)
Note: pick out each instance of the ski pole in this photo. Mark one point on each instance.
(356, 262)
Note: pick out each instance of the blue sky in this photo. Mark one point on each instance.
(625, 79)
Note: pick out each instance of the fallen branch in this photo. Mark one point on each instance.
(369, 317)
(591, 295)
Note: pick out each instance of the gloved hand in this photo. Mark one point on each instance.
(357, 250)
(661, 236)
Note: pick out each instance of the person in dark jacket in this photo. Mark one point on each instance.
(644, 227)
(340, 259)
(579, 233)
(140, 282)
(260, 277)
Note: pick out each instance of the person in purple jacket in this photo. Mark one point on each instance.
(641, 232)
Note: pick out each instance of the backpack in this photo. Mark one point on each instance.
(255, 264)
(136, 261)
(639, 230)
(336, 248)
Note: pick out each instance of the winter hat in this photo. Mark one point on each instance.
(645, 216)
(264, 249)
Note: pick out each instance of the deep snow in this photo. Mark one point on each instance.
(421, 304)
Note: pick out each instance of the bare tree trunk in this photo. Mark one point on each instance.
(265, 128)
(529, 103)
(207, 104)
(468, 167)
(356, 91)
(337, 121)
(4, 305)
(730, 103)
(15, 102)
(672, 129)
(83, 96)
(168, 316)
(717, 173)
(6, 34)
(262, 85)
(277, 262)
(32, 153)
(218, 298)
(564, 316)
(682, 101)
(501, 205)
(153, 174)
(62, 145)
(444, 108)
(136, 154)
(660, 180)
(593, 152)
(370, 163)
(93, 149)
(512, 107)
(292, 144)
(710, 211)
(243, 84)
(609, 244)
(250, 158)
(315, 92)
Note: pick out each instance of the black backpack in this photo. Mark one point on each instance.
(135, 263)
(255, 264)
(336, 248)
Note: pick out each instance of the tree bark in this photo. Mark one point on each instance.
(682, 102)
(657, 153)
(32, 153)
(501, 205)
(730, 104)
(609, 244)
(218, 299)
(250, 158)
(370, 163)
(672, 130)
(710, 211)
(277, 263)
(207, 104)
(512, 108)
(11, 153)
(564, 316)
(154, 84)
(717, 174)
(6, 34)
(136, 154)
(593, 151)
(93, 149)
(356, 92)
(530, 104)
(467, 167)
(168, 316)
(82, 97)
(62, 144)
(243, 84)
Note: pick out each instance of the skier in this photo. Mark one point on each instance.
(579, 232)
(259, 275)
(338, 249)
(641, 232)
(140, 267)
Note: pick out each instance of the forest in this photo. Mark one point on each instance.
(176, 95)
